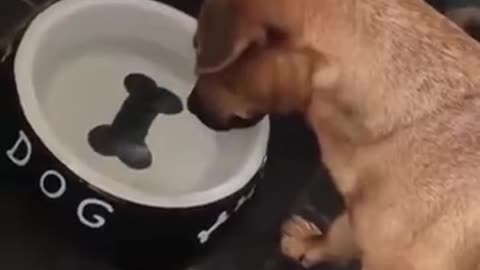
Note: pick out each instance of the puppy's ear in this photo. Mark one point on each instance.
(223, 34)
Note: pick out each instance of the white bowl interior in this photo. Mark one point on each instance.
(70, 69)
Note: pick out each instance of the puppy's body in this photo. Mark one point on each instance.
(413, 197)
(392, 90)
(403, 144)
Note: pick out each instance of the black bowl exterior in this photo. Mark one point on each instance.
(131, 232)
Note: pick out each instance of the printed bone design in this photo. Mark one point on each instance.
(125, 137)
(204, 236)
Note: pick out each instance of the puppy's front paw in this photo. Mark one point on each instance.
(299, 227)
(301, 241)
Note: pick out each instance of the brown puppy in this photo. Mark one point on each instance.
(391, 89)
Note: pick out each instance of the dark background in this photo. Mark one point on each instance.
(32, 238)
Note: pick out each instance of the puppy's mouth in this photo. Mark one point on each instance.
(233, 123)
(216, 123)
(237, 122)
(212, 124)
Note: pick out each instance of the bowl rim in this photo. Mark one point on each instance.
(23, 65)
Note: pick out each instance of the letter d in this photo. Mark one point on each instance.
(14, 153)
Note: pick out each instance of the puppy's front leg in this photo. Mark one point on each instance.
(303, 242)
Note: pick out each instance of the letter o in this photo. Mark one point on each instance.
(99, 221)
(61, 190)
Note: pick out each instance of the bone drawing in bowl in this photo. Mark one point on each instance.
(125, 137)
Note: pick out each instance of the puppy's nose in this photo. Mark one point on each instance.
(192, 104)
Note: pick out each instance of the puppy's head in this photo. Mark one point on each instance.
(250, 62)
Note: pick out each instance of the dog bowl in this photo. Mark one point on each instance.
(103, 128)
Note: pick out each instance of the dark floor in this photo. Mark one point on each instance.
(32, 238)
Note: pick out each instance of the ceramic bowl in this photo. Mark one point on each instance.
(102, 125)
